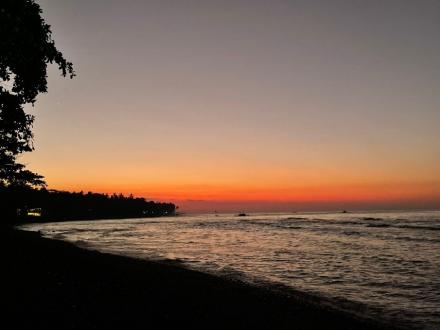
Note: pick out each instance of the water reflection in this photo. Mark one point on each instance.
(388, 260)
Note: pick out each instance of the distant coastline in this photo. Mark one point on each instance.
(26, 205)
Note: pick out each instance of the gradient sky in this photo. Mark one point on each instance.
(245, 105)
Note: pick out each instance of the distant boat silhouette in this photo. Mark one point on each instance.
(241, 215)
(344, 211)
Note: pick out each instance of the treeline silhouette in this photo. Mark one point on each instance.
(21, 204)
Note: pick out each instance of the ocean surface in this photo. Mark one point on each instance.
(383, 264)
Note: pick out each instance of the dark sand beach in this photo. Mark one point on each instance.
(55, 285)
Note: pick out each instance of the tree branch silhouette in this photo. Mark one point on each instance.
(26, 48)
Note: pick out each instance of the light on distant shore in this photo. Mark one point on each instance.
(36, 212)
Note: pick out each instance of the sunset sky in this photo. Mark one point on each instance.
(245, 105)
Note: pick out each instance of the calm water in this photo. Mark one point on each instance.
(388, 262)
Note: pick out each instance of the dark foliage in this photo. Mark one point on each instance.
(62, 205)
(26, 47)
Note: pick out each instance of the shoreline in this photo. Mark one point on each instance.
(55, 284)
(37, 220)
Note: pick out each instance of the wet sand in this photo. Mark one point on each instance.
(55, 285)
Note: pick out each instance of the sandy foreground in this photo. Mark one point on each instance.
(55, 285)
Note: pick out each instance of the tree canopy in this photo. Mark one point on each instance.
(52, 205)
(26, 48)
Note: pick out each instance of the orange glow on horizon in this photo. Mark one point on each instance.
(289, 107)
(208, 197)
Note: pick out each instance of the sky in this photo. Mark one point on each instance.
(245, 105)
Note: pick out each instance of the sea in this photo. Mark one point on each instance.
(381, 264)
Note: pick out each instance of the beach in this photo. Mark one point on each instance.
(51, 284)
(220, 164)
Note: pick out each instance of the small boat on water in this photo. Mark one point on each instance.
(241, 215)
